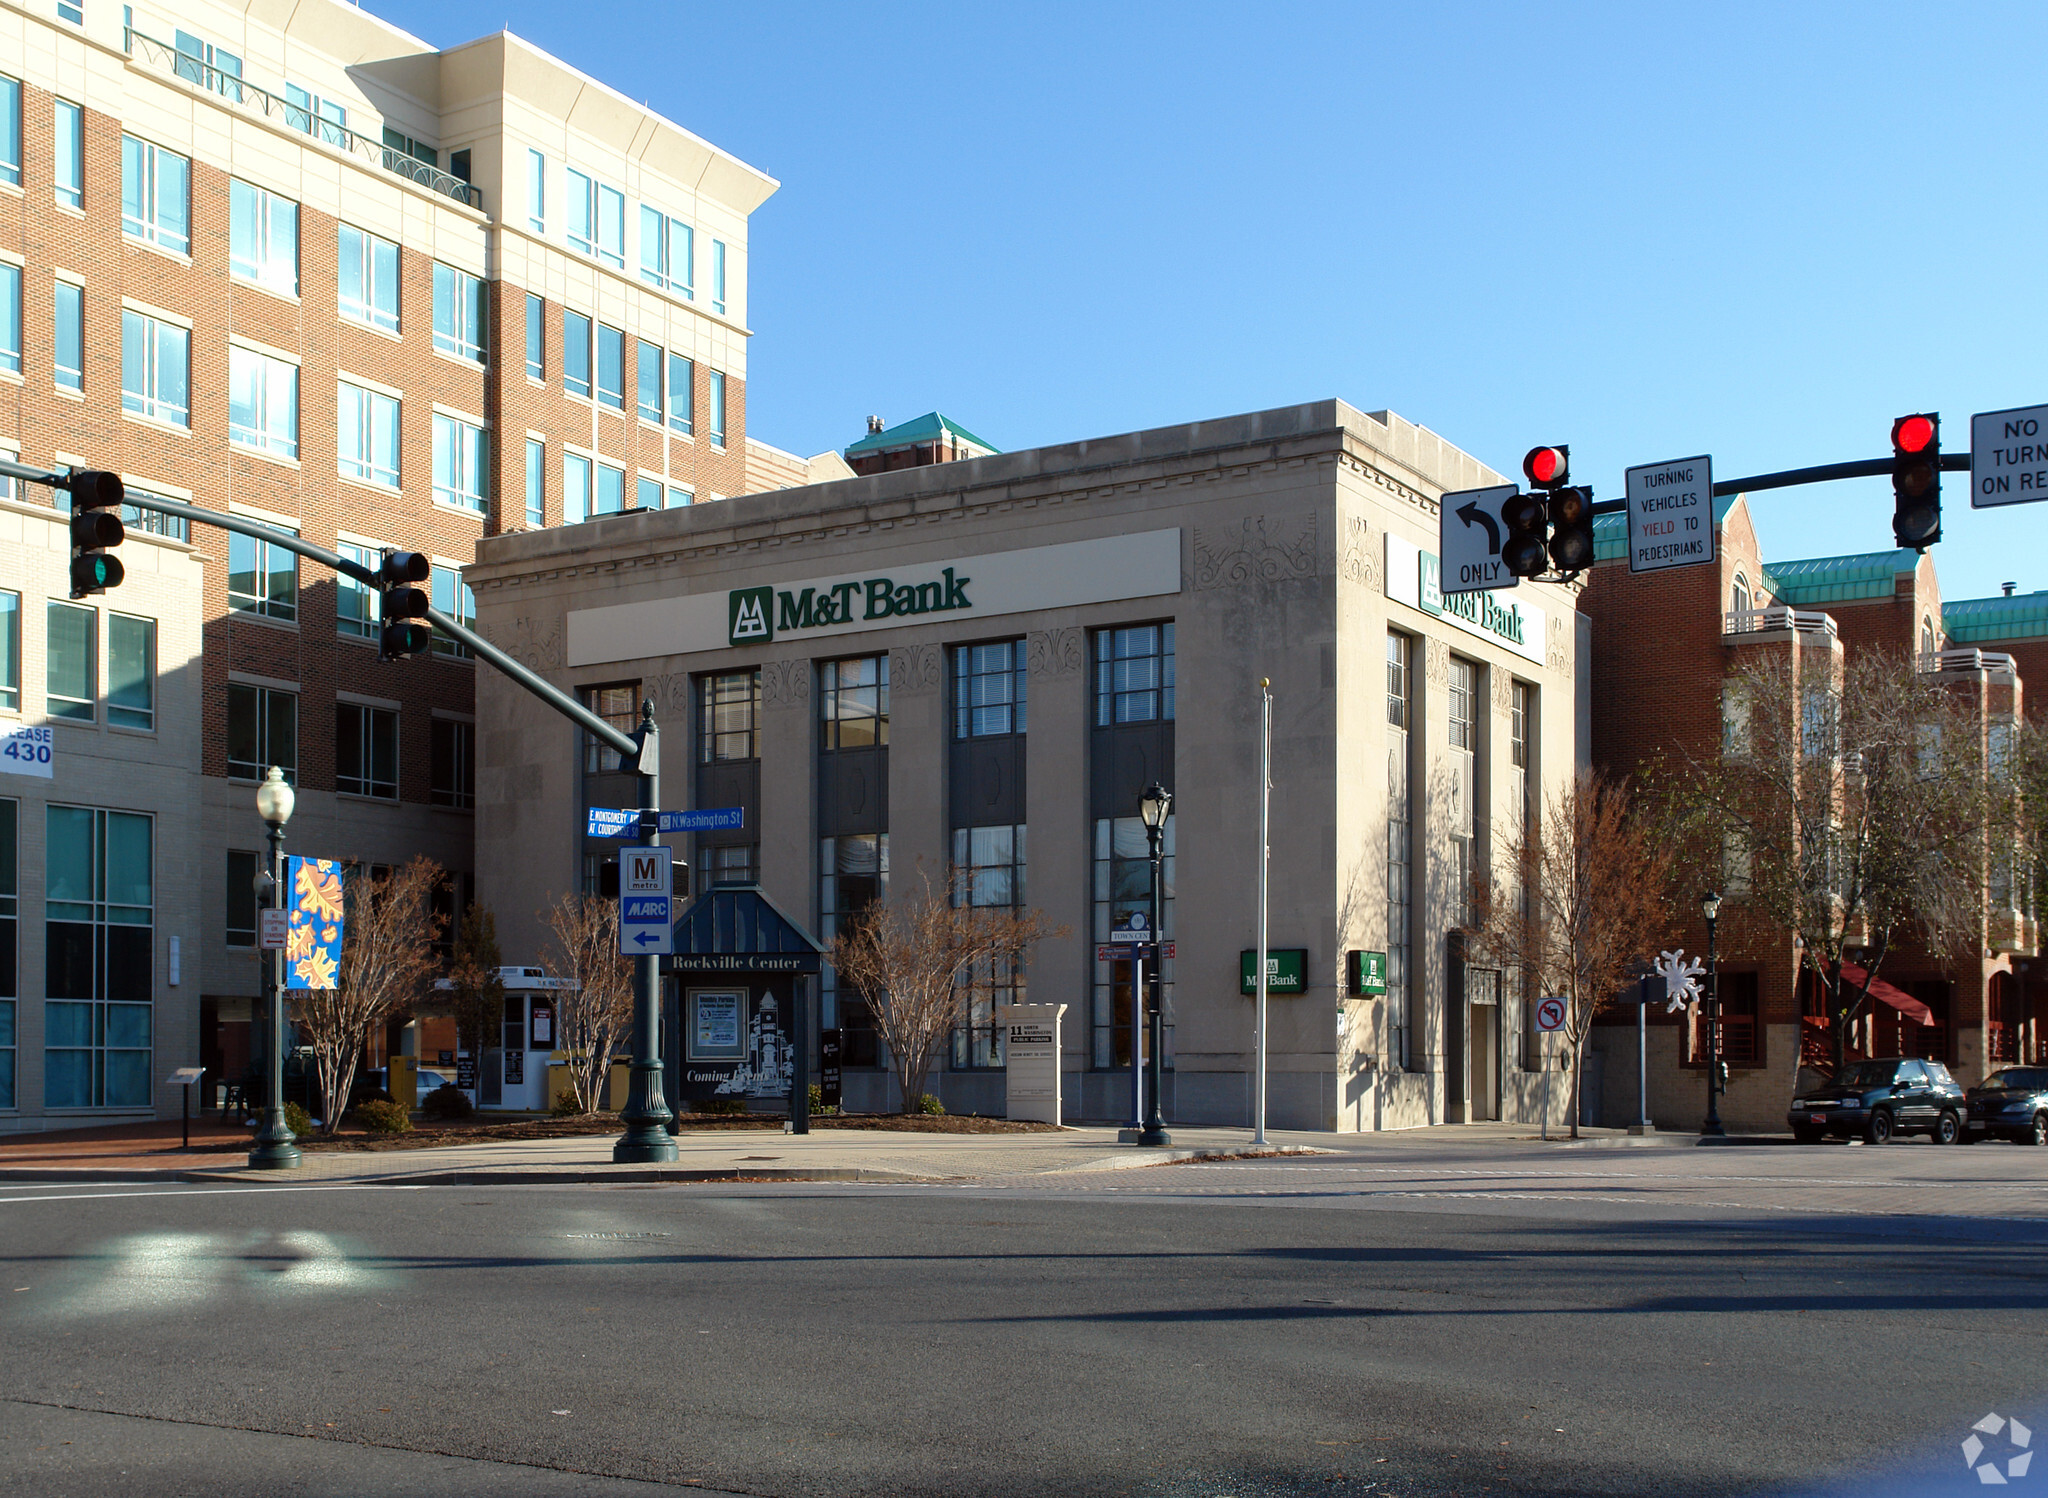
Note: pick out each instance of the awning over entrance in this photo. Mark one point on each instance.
(1898, 998)
(737, 928)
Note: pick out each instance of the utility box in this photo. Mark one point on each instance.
(402, 1080)
(1031, 1048)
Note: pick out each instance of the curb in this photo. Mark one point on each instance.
(1141, 1159)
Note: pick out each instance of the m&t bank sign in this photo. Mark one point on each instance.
(755, 615)
(1414, 577)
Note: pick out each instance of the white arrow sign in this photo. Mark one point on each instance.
(1469, 533)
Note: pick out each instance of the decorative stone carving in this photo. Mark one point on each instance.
(1358, 558)
(1436, 662)
(534, 643)
(785, 683)
(1054, 652)
(1502, 695)
(1560, 647)
(916, 669)
(1259, 549)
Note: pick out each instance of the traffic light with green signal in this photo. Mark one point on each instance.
(96, 500)
(402, 607)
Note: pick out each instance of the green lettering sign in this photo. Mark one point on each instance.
(1286, 971)
(1368, 976)
(757, 615)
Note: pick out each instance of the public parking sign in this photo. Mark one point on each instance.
(2009, 457)
(1671, 514)
(1469, 533)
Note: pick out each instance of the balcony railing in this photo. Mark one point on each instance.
(254, 100)
(1997, 662)
(1759, 621)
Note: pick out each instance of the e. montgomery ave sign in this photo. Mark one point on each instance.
(885, 595)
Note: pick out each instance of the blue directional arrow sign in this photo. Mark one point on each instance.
(645, 925)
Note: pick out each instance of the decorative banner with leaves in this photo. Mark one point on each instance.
(312, 949)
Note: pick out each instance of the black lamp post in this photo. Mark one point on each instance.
(276, 1146)
(1710, 906)
(1153, 807)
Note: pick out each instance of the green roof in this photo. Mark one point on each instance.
(1969, 621)
(923, 428)
(1872, 574)
(1610, 532)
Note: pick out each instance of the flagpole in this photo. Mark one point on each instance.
(1259, 969)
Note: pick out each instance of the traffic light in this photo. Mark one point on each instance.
(1571, 529)
(1548, 467)
(1916, 480)
(95, 525)
(403, 607)
(1521, 549)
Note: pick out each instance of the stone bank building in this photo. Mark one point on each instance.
(983, 663)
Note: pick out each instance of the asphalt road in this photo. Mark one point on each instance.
(1431, 1323)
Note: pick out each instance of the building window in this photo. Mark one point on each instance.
(728, 863)
(201, 62)
(454, 764)
(618, 705)
(69, 342)
(156, 190)
(1123, 887)
(366, 433)
(536, 498)
(611, 367)
(131, 671)
(67, 10)
(597, 219)
(611, 489)
(1398, 648)
(368, 278)
(576, 353)
(536, 337)
(853, 702)
(1740, 1041)
(156, 369)
(241, 898)
(263, 402)
(10, 651)
(458, 314)
(366, 751)
(1400, 711)
(718, 276)
(70, 153)
(459, 479)
(262, 579)
(1740, 601)
(1134, 675)
(10, 318)
(263, 237)
(10, 130)
(356, 603)
(647, 370)
(988, 689)
(1518, 725)
(100, 914)
(717, 409)
(680, 498)
(668, 252)
(1463, 687)
(648, 494)
(988, 872)
(536, 191)
(728, 716)
(309, 112)
(263, 730)
(416, 150)
(853, 874)
(575, 488)
(453, 597)
(155, 523)
(10, 946)
(71, 653)
(681, 395)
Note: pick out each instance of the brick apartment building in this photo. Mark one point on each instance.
(1661, 645)
(302, 266)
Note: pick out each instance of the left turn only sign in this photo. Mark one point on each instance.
(1469, 534)
(646, 911)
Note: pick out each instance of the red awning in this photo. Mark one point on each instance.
(1854, 976)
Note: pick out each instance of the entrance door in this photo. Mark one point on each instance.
(1482, 1026)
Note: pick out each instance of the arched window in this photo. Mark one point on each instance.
(1927, 635)
(1741, 601)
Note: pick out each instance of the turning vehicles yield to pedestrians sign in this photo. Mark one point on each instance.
(1469, 531)
(1671, 514)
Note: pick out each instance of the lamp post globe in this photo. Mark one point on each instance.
(1710, 907)
(276, 1146)
(1153, 808)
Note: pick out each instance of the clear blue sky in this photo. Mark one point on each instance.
(1649, 231)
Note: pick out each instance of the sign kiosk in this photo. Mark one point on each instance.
(1031, 1054)
(739, 1006)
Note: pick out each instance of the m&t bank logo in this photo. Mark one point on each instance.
(748, 616)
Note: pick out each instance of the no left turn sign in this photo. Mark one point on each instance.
(1550, 1014)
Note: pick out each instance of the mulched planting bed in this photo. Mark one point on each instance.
(433, 1135)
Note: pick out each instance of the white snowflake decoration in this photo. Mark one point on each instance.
(1681, 978)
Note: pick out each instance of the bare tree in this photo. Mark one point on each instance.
(1588, 899)
(387, 956)
(909, 955)
(478, 993)
(1848, 805)
(594, 1017)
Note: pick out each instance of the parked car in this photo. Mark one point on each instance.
(2011, 1103)
(1875, 1100)
(429, 1079)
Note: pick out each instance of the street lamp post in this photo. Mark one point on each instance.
(1710, 906)
(276, 1146)
(1153, 806)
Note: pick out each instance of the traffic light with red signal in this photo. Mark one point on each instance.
(96, 500)
(1916, 480)
(1551, 531)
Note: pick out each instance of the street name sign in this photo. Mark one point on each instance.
(712, 819)
(1468, 539)
(1671, 514)
(646, 921)
(612, 821)
(2009, 457)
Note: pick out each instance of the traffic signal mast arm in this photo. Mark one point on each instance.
(1862, 468)
(627, 747)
